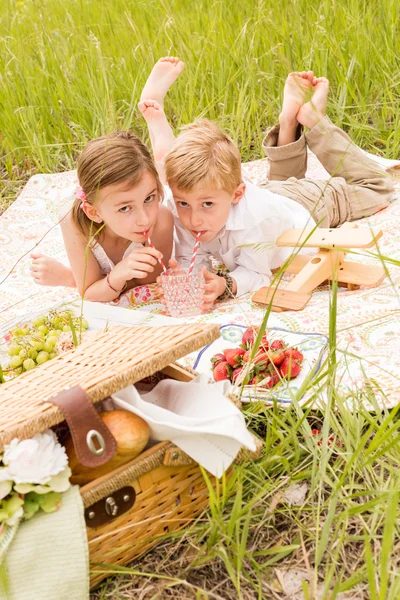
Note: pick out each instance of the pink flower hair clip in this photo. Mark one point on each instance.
(80, 195)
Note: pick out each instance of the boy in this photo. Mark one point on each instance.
(240, 222)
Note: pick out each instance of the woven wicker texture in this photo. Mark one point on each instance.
(101, 366)
(167, 499)
(104, 486)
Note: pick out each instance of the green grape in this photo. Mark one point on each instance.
(56, 321)
(52, 339)
(26, 330)
(52, 355)
(14, 349)
(23, 353)
(18, 331)
(32, 354)
(37, 345)
(29, 364)
(39, 321)
(48, 346)
(54, 332)
(66, 328)
(43, 329)
(15, 362)
(42, 357)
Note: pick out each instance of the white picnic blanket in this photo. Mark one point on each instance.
(368, 325)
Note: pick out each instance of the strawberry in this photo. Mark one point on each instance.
(257, 379)
(236, 373)
(221, 371)
(261, 358)
(277, 345)
(246, 356)
(264, 342)
(265, 380)
(233, 356)
(294, 354)
(291, 367)
(271, 380)
(217, 359)
(249, 336)
(276, 356)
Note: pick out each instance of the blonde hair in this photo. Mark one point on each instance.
(204, 154)
(107, 160)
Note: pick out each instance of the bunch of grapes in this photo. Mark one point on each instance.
(35, 344)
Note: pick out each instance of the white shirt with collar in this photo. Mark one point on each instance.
(247, 243)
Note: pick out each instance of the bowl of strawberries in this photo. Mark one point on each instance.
(274, 371)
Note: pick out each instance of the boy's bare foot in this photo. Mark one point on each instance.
(49, 271)
(294, 95)
(163, 75)
(313, 111)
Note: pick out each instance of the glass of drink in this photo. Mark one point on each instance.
(183, 295)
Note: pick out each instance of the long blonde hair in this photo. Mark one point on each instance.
(107, 160)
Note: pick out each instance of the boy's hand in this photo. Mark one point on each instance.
(214, 286)
(137, 265)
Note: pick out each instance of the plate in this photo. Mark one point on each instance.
(312, 345)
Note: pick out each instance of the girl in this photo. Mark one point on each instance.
(114, 212)
(116, 209)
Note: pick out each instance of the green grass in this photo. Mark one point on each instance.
(73, 70)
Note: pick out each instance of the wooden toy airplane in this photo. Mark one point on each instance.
(311, 271)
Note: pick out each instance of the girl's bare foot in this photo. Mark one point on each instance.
(163, 75)
(313, 111)
(161, 133)
(49, 271)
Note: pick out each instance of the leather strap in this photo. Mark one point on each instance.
(94, 443)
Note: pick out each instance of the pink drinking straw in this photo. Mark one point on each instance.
(150, 243)
(195, 249)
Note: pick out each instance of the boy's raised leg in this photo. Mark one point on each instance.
(295, 92)
(315, 109)
(284, 145)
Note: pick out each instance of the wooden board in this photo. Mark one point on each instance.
(344, 237)
(281, 299)
(348, 273)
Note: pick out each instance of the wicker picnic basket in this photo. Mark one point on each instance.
(130, 509)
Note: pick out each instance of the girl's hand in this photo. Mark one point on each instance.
(137, 265)
(214, 286)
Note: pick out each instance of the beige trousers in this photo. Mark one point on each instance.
(358, 186)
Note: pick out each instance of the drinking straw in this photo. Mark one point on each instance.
(150, 243)
(195, 249)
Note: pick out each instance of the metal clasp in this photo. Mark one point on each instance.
(111, 507)
(92, 437)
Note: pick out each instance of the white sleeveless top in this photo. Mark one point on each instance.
(105, 263)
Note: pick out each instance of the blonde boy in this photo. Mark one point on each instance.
(240, 222)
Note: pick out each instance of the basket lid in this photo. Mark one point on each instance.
(100, 365)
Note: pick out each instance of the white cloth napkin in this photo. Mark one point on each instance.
(195, 416)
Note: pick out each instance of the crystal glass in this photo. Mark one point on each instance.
(183, 295)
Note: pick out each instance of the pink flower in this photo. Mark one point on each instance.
(80, 194)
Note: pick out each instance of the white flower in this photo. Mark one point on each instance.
(58, 483)
(34, 461)
(5, 488)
